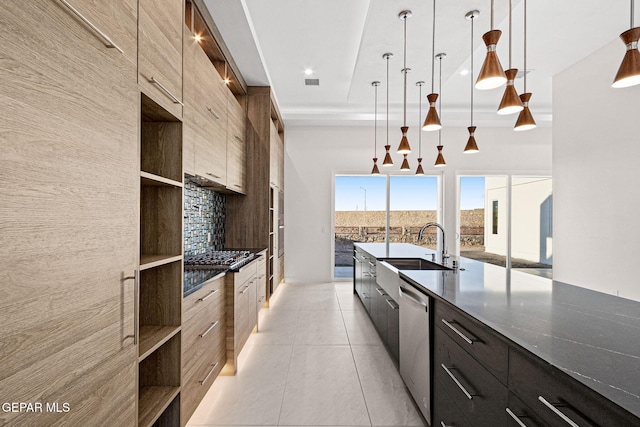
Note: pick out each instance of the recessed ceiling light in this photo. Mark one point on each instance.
(308, 71)
(464, 72)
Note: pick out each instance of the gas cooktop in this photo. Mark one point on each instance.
(218, 259)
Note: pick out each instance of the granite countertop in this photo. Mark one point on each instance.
(591, 336)
(195, 278)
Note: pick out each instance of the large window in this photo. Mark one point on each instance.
(361, 213)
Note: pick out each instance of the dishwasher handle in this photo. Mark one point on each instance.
(413, 296)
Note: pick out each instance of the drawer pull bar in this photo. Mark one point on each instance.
(238, 138)
(371, 264)
(246, 288)
(209, 295)
(165, 90)
(380, 291)
(515, 417)
(392, 304)
(213, 325)
(108, 42)
(213, 112)
(136, 304)
(442, 424)
(455, 380)
(213, 368)
(457, 331)
(557, 412)
(213, 175)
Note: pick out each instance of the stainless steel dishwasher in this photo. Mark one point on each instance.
(414, 345)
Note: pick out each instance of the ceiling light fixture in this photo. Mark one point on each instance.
(471, 146)
(511, 102)
(419, 170)
(432, 121)
(491, 74)
(525, 119)
(387, 157)
(440, 159)
(308, 71)
(375, 170)
(629, 71)
(404, 148)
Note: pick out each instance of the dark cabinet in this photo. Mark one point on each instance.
(393, 328)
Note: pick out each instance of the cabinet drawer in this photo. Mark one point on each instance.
(200, 324)
(475, 391)
(198, 300)
(553, 395)
(205, 350)
(517, 409)
(243, 275)
(475, 338)
(445, 411)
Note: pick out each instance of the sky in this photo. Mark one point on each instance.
(407, 192)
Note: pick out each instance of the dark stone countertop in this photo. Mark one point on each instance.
(591, 336)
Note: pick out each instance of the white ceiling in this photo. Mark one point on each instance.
(274, 41)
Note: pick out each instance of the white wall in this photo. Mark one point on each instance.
(314, 154)
(531, 236)
(496, 190)
(596, 155)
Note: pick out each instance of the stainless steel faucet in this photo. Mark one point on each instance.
(445, 255)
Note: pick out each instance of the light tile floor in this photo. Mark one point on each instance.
(316, 361)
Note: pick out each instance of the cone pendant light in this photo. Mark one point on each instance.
(419, 170)
(491, 74)
(432, 121)
(404, 147)
(375, 170)
(510, 103)
(525, 119)
(440, 159)
(629, 71)
(387, 157)
(471, 146)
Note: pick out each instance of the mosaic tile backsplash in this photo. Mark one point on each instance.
(204, 213)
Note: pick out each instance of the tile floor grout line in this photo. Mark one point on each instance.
(355, 365)
(286, 380)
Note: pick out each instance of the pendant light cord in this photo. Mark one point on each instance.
(404, 70)
(472, 17)
(420, 120)
(375, 125)
(525, 46)
(433, 48)
(632, 13)
(440, 100)
(510, 32)
(387, 100)
(492, 14)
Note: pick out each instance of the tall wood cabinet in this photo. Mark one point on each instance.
(69, 184)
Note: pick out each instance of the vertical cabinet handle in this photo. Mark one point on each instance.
(105, 38)
(515, 418)
(213, 368)
(136, 304)
(557, 411)
(457, 331)
(458, 383)
(165, 90)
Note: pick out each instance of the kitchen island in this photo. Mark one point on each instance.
(590, 339)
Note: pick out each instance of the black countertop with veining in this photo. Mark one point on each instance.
(593, 337)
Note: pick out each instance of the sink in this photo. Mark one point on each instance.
(414, 264)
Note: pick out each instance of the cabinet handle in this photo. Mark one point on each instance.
(213, 112)
(357, 260)
(238, 138)
(209, 295)
(213, 368)
(165, 90)
(515, 417)
(213, 325)
(245, 289)
(371, 264)
(392, 304)
(380, 291)
(260, 300)
(455, 380)
(136, 304)
(457, 331)
(442, 424)
(557, 411)
(107, 41)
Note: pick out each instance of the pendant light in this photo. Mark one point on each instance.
(375, 170)
(419, 170)
(629, 71)
(404, 147)
(491, 74)
(525, 119)
(387, 157)
(440, 159)
(471, 146)
(432, 121)
(511, 102)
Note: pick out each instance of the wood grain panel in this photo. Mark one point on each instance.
(69, 174)
(161, 220)
(160, 50)
(161, 149)
(193, 303)
(236, 145)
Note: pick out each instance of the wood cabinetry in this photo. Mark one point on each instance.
(236, 145)
(160, 52)
(276, 157)
(261, 280)
(69, 186)
(160, 278)
(203, 343)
